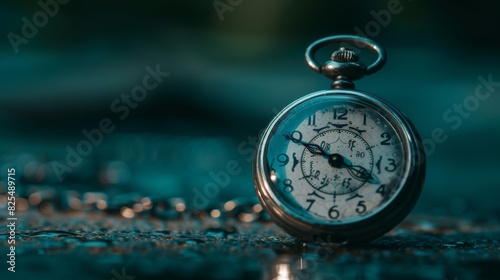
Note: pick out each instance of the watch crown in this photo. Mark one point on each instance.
(345, 55)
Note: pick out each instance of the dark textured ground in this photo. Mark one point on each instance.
(88, 245)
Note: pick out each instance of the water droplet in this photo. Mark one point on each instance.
(427, 226)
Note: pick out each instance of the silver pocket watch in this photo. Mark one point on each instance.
(339, 165)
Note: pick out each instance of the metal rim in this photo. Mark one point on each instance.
(359, 231)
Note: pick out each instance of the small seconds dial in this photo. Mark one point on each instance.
(328, 167)
(336, 161)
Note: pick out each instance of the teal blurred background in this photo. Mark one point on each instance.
(231, 68)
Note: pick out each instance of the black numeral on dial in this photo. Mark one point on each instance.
(311, 120)
(361, 208)
(288, 186)
(339, 114)
(387, 138)
(392, 165)
(296, 136)
(283, 159)
(381, 190)
(333, 213)
(311, 202)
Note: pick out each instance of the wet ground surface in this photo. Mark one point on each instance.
(99, 245)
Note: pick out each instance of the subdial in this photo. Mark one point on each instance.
(337, 162)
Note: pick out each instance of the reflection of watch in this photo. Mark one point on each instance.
(341, 165)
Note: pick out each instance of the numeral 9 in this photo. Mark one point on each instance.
(283, 159)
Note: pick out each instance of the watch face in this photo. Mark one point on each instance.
(335, 158)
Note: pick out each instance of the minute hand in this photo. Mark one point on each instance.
(313, 148)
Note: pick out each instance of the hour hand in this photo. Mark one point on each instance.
(360, 173)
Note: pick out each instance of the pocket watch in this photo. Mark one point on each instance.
(339, 165)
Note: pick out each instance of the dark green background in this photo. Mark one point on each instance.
(227, 80)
